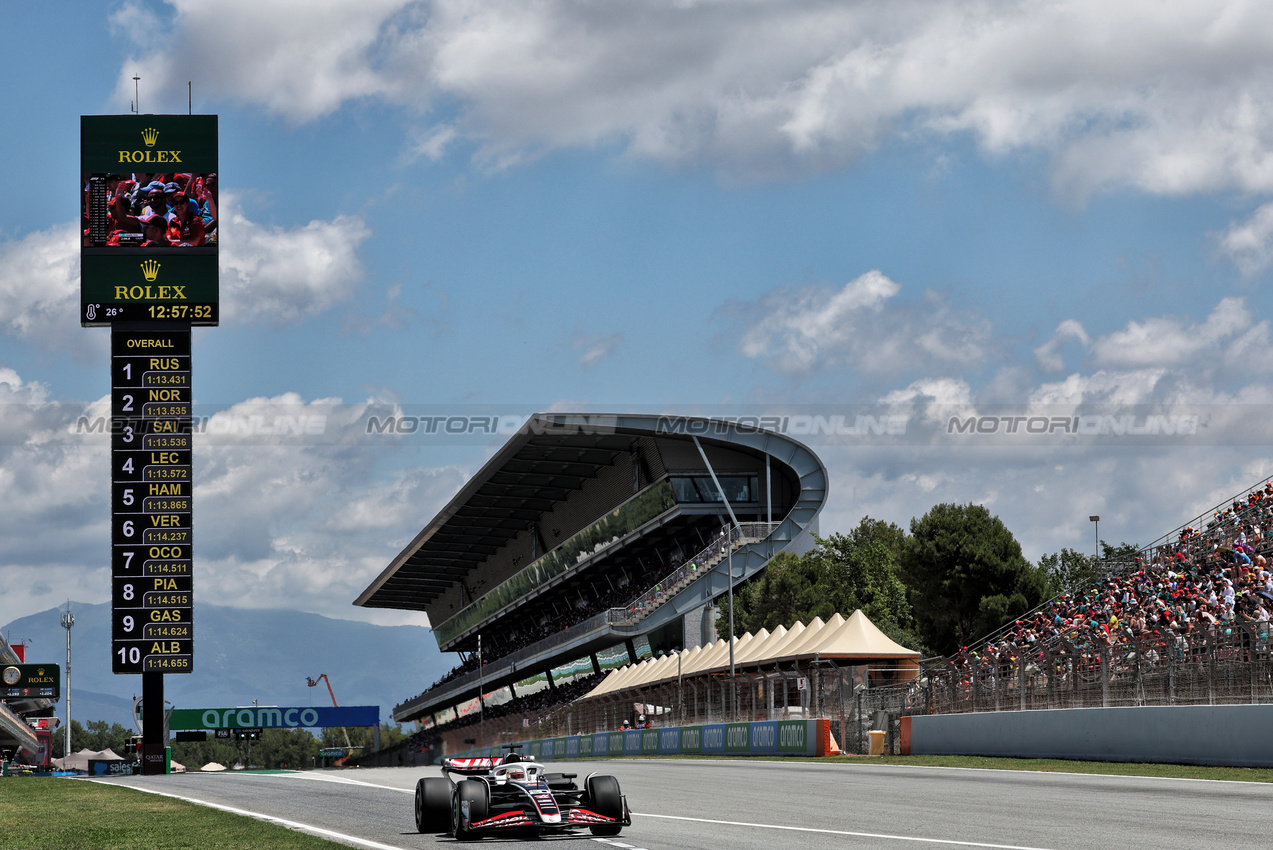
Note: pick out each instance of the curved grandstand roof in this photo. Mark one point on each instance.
(550, 458)
(540, 466)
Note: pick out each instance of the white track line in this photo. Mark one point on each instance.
(844, 832)
(339, 780)
(290, 824)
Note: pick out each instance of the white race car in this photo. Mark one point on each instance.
(514, 795)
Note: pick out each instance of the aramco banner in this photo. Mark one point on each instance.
(273, 716)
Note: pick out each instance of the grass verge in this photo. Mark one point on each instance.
(78, 815)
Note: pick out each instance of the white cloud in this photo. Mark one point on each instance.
(40, 291)
(798, 332)
(1167, 98)
(277, 276)
(1228, 336)
(302, 60)
(940, 398)
(596, 348)
(1044, 495)
(1228, 343)
(1250, 244)
(1109, 388)
(282, 519)
(433, 143)
(272, 275)
(1049, 354)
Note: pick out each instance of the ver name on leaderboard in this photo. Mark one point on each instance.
(151, 534)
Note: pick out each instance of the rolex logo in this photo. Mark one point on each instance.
(150, 268)
(150, 135)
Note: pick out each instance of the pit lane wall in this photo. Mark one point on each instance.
(757, 738)
(1231, 735)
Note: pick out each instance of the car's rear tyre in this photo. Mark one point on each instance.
(604, 799)
(474, 793)
(432, 805)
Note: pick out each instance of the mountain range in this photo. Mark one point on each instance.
(241, 655)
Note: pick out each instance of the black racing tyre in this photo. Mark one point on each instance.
(474, 792)
(432, 804)
(604, 799)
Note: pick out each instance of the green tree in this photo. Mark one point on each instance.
(841, 574)
(98, 735)
(966, 575)
(1067, 570)
(285, 748)
(275, 748)
(363, 737)
(195, 754)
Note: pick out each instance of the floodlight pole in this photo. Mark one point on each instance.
(1096, 520)
(68, 620)
(729, 566)
(725, 499)
(680, 689)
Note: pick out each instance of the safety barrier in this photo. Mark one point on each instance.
(755, 738)
(1184, 734)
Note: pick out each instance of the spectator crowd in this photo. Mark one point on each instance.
(513, 634)
(1198, 583)
(156, 210)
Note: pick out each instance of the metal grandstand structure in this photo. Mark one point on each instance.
(15, 732)
(592, 541)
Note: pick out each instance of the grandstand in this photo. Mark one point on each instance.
(17, 735)
(590, 542)
(1187, 622)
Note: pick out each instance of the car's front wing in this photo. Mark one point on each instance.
(528, 818)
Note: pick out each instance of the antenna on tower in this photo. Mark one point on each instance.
(68, 620)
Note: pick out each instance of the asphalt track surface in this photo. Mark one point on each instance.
(745, 805)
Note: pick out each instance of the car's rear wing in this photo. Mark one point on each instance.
(468, 767)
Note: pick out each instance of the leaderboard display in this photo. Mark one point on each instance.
(152, 584)
(149, 239)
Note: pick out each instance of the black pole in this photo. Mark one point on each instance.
(152, 724)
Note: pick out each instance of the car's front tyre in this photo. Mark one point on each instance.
(604, 799)
(474, 793)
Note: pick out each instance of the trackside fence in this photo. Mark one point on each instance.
(767, 737)
(1223, 665)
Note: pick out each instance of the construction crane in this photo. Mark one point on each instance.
(313, 683)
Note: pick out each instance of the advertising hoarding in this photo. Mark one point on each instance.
(149, 224)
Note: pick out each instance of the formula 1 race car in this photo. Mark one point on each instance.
(514, 795)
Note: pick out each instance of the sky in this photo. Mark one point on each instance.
(1053, 220)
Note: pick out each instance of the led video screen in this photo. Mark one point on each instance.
(149, 238)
